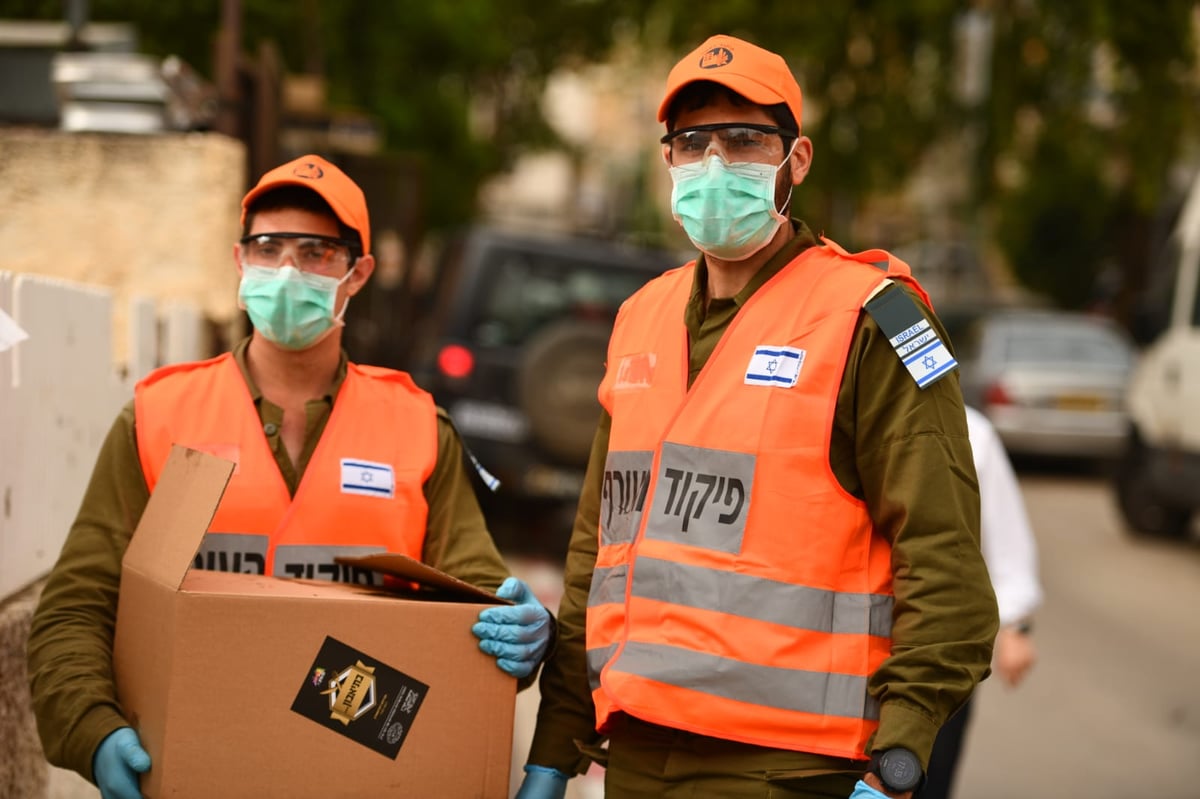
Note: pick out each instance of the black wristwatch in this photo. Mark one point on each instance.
(897, 768)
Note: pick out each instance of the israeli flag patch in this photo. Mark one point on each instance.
(368, 479)
(774, 366)
(927, 361)
(916, 343)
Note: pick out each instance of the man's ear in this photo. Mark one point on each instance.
(363, 268)
(801, 159)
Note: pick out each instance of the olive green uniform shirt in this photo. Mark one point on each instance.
(902, 450)
(70, 642)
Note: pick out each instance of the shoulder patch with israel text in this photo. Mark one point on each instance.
(916, 343)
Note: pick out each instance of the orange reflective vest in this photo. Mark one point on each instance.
(362, 491)
(739, 591)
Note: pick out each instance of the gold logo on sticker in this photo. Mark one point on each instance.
(351, 693)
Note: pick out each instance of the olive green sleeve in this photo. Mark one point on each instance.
(566, 713)
(71, 636)
(913, 458)
(457, 540)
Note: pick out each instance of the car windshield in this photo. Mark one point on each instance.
(1066, 344)
(527, 290)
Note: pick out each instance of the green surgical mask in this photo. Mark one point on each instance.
(294, 309)
(727, 210)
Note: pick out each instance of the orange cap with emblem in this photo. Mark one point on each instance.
(314, 172)
(759, 75)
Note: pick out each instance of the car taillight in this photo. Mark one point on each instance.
(455, 361)
(995, 394)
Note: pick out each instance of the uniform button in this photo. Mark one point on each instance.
(270, 428)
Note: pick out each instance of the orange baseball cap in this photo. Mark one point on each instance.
(759, 75)
(314, 172)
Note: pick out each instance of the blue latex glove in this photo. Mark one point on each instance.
(543, 783)
(118, 760)
(516, 635)
(864, 791)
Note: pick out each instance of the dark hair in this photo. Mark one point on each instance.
(303, 199)
(700, 93)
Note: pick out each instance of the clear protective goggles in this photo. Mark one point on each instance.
(307, 251)
(740, 142)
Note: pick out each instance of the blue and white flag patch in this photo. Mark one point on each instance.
(368, 478)
(928, 362)
(774, 366)
(916, 343)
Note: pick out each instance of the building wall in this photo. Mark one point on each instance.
(60, 388)
(146, 216)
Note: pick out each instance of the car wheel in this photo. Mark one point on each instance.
(1144, 512)
(561, 369)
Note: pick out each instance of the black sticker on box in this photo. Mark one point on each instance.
(359, 697)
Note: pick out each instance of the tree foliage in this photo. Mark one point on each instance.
(1090, 106)
(1089, 102)
(424, 70)
(1094, 104)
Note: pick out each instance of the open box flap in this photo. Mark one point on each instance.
(181, 507)
(406, 568)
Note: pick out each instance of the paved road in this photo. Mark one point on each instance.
(1112, 709)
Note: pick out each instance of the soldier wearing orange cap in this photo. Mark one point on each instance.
(774, 585)
(388, 474)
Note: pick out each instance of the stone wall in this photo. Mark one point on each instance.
(146, 216)
(24, 772)
(23, 769)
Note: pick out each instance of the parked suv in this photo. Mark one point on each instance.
(514, 344)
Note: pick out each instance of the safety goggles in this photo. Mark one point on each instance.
(308, 252)
(736, 142)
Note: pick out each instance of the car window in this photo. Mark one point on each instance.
(1066, 344)
(524, 291)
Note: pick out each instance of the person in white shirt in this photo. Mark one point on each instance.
(1010, 551)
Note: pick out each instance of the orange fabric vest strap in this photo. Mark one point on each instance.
(883, 260)
(739, 592)
(362, 491)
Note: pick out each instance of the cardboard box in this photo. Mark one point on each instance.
(248, 686)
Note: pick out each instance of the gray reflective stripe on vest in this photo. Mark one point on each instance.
(608, 588)
(596, 658)
(762, 599)
(316, 563)
(244, 553)
(623, 494)
(814, 692)
(701, 497)
(608, 585)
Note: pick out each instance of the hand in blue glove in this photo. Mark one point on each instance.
(543, 783)
(118, 760)
(864, 791)
(516, 635)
